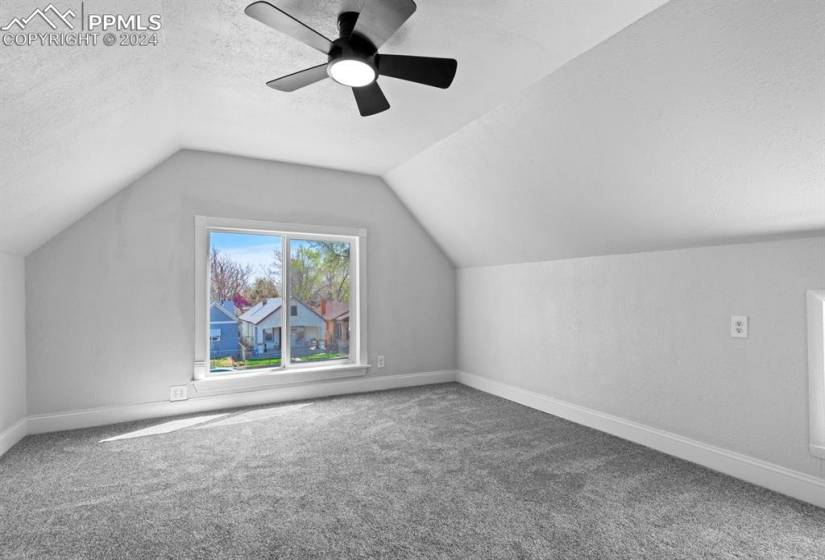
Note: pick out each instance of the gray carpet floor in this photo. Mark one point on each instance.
(434, 472)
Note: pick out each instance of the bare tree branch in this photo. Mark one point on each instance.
(227, 277)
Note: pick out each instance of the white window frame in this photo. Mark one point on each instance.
(816, 371)
(287, 373)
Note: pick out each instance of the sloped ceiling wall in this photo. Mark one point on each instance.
(76, 125)
(702, 123)
(79, 124)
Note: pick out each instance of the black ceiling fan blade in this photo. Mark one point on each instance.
(281, 21)
(370, 99)
(299, 79)
(381, 18)
(436, 72)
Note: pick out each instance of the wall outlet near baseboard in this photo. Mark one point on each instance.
(379, 362)
(739, 326)
(178, 393)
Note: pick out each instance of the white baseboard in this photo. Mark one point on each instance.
(762, 473)
(86, 418)
(11, 435)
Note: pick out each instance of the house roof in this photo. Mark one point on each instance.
(264, 309)
(261, 310)
(227, 308)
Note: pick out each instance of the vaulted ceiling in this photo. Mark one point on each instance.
(703, 123)
(78, 124)
(572, 129)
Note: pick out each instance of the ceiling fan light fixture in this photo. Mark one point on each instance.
(351, 72)
(353, 59)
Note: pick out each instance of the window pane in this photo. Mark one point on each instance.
(319, 284)
(244, 301)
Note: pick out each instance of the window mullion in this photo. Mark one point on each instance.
(285, 302)
(354, 303)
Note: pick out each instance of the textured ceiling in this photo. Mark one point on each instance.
(702, 123)
(78, 124)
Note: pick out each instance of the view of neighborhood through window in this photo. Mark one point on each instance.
(319, 283)
(246, 308)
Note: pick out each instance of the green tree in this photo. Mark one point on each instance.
(275, 269)
(335, 269)
(304, 274)
(320, 270)
(262, 288)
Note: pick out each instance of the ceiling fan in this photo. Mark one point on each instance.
(353, 59)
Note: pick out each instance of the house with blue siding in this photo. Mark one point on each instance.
(224, 340)
(260, 328)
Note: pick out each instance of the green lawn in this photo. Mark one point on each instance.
(320, 357)
(252, 363)
(229, 363)
(262, 362)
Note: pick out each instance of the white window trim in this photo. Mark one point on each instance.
(295, 373)
(816, 371)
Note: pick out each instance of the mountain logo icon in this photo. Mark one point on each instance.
(49, 14)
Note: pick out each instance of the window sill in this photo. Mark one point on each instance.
(267, 379)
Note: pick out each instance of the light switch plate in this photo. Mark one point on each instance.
(739, 326)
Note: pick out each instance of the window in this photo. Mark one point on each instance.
(290, 293)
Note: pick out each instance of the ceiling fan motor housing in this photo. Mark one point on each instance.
(352, 46)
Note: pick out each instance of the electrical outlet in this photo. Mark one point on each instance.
(739, 326)
(380, 361)
(178, 393)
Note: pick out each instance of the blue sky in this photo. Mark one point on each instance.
(246, 248)
(250, 248)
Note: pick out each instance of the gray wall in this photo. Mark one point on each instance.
(646, 337)
(12, 341)
(110, 307)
